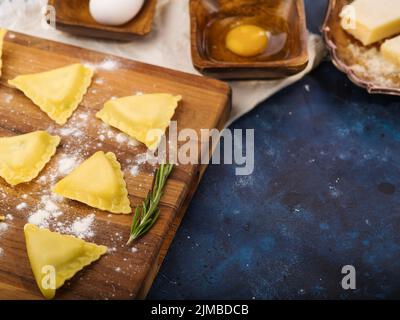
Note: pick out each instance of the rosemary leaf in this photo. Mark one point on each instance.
(147, 213)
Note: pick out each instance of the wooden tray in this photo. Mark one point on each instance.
(73, 16)
(337, 40)
(293, 63)
(121, 274)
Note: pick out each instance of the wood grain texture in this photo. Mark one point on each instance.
(292, 61)
(121, 274)
(338, 40)
(73, 16)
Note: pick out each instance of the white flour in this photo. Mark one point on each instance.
(8, 98)
(48, 210)
(3, 227)
(134, 171)
(107, 64)
(82, 227)
(70, 132)
(21, 206)
(66, 164)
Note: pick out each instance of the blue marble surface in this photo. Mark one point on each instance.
(324, 194)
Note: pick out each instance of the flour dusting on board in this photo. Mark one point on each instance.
(82, 227)
(106, 132)
(74, 132)
(21, 206)
(8, 98)
(108, 64)
(67, 163)
(134, 170)
(48, 210)
(3, 227)
(99, 81)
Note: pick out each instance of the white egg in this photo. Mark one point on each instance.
(114, 12)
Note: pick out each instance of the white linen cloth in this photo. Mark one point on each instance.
(168, 45)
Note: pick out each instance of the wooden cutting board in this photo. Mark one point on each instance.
(123, 273)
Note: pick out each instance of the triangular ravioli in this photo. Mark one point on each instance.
(23, 157)
(143, 117)
(57, 92)
(2, 34)
(56, 258)
(98, 182)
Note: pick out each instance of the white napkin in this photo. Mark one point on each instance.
(168, 45)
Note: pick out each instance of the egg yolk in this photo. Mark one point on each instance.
(247, 40)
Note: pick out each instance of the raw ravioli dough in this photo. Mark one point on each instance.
(144, 117)
(57, 92)
(98, 182)
(23, 157)
(66, 255)
(2, 34)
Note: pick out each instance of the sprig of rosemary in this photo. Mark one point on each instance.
(147, 213)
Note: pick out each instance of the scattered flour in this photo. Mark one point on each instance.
(8, 98)
(66, 164)
(76, 126)
(105, 131)
(75, 132)
(146, 158)
(134, 171)
(99, 81)
(110, 134)
(40, 218)
(42, 180)
(1, 252)
(107, 64)
(83, 116)
(48, 210)
(82, 227)
(113, 249)
(141, 158)
(3, 227)
(134, 250)
(121, 137)
(21, 206)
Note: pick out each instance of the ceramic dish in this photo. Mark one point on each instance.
(73, 16)
(348, 54)
(292, 57)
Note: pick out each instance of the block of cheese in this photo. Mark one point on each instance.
(373, 20)
(390, 49)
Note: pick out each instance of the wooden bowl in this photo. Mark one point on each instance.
(73, 16)
(294, 59)
(338, 40)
